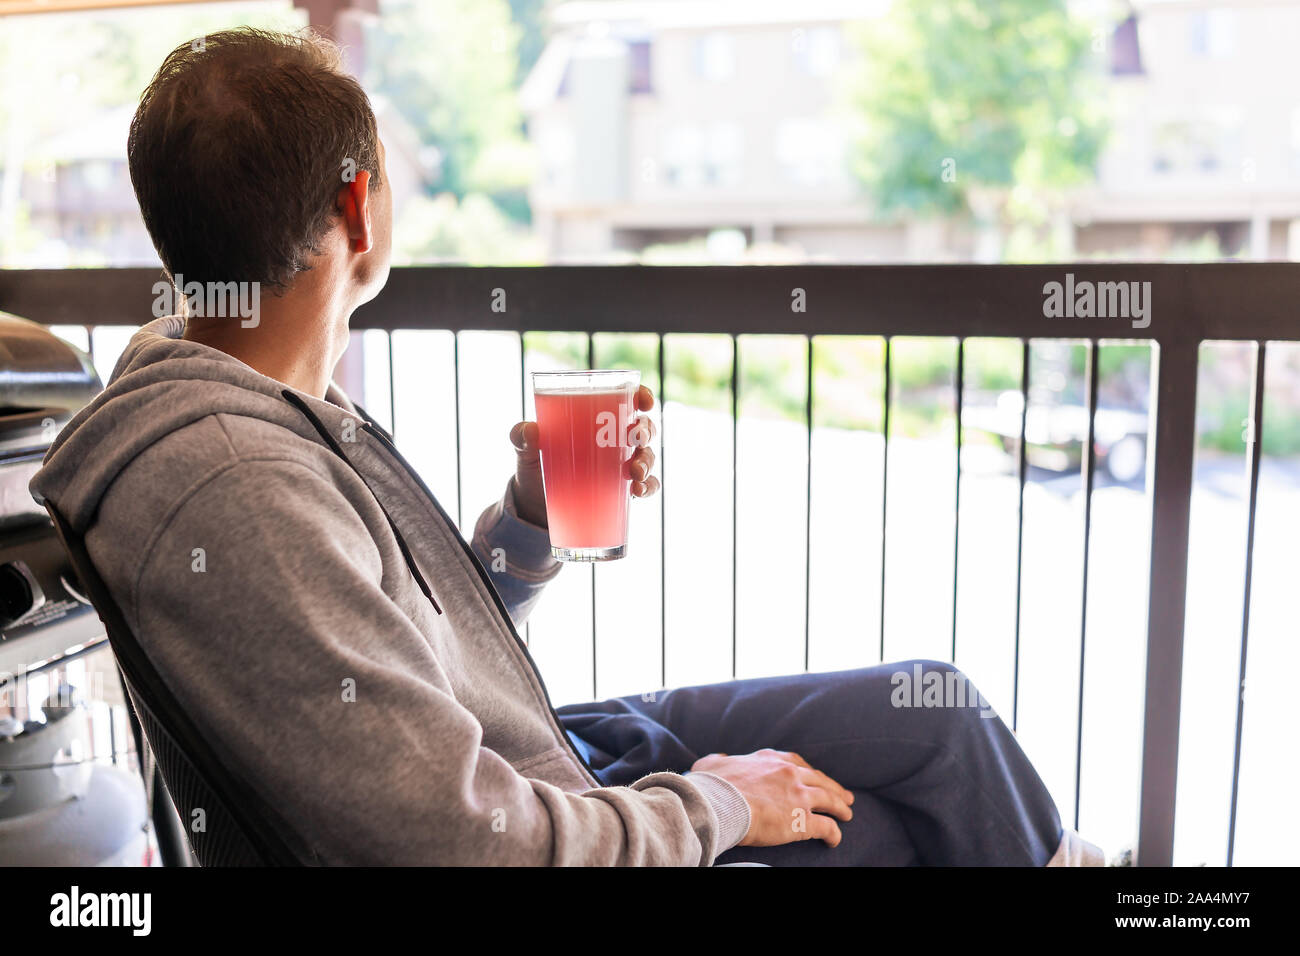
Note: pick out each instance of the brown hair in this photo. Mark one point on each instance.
(239, 148)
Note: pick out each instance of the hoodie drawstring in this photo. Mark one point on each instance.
(321, 430)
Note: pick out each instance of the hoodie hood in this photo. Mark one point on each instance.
(161, 383)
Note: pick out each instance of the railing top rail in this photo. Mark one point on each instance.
(1178, 307)
(1190, 302)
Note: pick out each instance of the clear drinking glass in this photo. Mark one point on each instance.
(583, 420)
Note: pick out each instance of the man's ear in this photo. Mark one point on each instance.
(353, 204)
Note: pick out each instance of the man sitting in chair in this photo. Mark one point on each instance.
(345, 652)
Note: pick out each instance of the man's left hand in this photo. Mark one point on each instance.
(530, 497)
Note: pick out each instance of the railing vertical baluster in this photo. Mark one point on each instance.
(591, 363)
(807, 539)
(455, 376)
(884, 487)
(663, 522)
(104, 373)
(1257, 439)
(1089, 467)
(523, 415)
(392, 390)
(523, 379)
(956, 504)
(1021, 466)
(735, 438)
(1175, 424)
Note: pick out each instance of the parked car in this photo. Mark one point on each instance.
(1055, 434)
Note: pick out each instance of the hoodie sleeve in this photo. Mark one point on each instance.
(260, 603)
(516, 554)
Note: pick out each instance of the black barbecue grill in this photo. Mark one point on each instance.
(60, 802)
(44, 617)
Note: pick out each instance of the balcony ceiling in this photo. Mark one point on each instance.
(9, 7)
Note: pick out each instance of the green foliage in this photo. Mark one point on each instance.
(923, 374)
(992, 365)
(1281, 428)
(1223, 419)
(450, 67)
(473, 231)
(698, 368)
(532, 37)
(638, 350)
(567, 349)
(848, 373)
(923, 362)
(849, 381)
(1003, 88)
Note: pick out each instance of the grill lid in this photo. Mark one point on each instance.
(40, 371)
(44, 381)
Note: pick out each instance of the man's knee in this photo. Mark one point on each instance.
(945, 700)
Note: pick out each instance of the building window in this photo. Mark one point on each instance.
(97, 175)
(1212, 33)
(816, 50)
(1295, 139)
(808, 150)
(557, 150)
(1202, 147)
(723, 154)
(1125, 49)
(682, 147)
(713, 156)
(638, 67)
(715, 57)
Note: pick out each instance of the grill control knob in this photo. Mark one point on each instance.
(19, 592)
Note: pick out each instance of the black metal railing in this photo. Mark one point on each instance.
(1189, 305)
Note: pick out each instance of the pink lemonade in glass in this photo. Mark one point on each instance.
(583, 419)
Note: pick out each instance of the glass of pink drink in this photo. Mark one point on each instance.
(583, 419)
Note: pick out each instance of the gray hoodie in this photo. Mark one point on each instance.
(326, 626)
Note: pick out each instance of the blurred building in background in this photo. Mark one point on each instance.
(79, 194)
(683, 131)
(79, 199)
(661, 122)
(1206, 133)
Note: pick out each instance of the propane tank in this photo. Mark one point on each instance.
(58, 806)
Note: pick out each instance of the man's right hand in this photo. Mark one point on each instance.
(788, 800)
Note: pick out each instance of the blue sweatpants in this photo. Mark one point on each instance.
(942, 784)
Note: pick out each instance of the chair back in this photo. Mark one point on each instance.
(224, 820)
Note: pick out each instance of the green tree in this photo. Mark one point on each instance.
(449, 66)
(530, 16)
(473, 231)
(980, 108)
